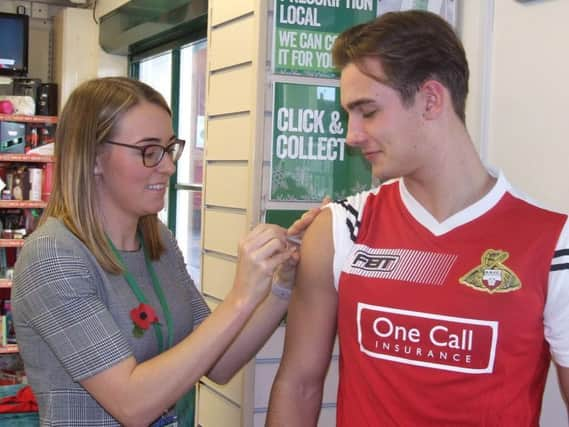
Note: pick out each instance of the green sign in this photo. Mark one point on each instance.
(310, 159)
(284, 218)
(306, 29)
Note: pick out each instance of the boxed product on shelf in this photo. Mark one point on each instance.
(12, 137)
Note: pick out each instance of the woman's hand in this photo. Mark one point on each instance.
(261, 251)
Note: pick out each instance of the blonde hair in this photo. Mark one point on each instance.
(90, 117)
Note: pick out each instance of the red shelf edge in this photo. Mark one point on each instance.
(11, 243)
(22, 204)
(9, 349)
(35, 158)
(28, 119)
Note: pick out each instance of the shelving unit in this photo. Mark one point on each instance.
(7, 159)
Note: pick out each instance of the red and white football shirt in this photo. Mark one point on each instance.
(448, 324)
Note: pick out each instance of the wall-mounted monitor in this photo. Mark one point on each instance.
(14, 38)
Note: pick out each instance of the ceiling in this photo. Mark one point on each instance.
(138, 22)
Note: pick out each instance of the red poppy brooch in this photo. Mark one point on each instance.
(142, 316)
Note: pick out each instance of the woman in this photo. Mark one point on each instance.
(109, 323)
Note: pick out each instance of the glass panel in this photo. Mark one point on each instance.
(188, 230)
(192, 112)
(190, 165)
(157, 72)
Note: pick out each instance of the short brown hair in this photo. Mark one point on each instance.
(90, 117)
(412, 47)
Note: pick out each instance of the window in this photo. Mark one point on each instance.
(190, 167)
(152, 71)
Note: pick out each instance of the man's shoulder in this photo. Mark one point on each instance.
(349, 211)
(355, 202)
(521, 200)
(528, 207)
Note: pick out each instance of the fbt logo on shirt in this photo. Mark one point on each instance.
(405, 265)
(425, 339)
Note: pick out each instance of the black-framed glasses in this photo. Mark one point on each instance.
(152, 154)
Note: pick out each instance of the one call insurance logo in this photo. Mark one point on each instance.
(429, 340)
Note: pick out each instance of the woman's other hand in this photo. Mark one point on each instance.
(297, 229)
(286, 272)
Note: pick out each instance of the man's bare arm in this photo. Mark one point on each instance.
(563, 374)
(296, 395)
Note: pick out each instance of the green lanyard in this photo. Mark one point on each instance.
(142, 299)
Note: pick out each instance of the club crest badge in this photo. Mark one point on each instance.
(492, 275)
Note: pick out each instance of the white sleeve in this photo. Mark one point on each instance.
(346, 217)
(556, 314)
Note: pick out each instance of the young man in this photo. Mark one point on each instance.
(449, 290)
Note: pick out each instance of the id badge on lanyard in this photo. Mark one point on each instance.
(166, 421)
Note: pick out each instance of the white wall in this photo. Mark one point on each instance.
(75, 37)
(529, 125)
(473, 18)
(517, 107)
(515, 110)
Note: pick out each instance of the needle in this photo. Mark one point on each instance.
(296, 239)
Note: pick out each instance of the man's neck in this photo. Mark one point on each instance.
(455, 179)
